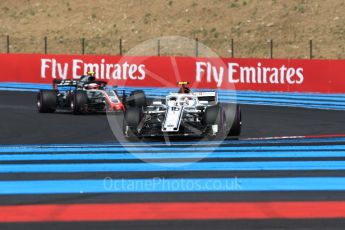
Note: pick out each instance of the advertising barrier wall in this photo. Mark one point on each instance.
(284, 75)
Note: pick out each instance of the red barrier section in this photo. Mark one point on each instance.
(172, 211)
(287, 75)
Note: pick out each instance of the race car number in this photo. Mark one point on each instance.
(175, 108)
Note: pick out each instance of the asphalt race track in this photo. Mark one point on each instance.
(22, 124)
(53, 166)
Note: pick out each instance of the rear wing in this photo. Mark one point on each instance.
(64, 83)
(207, 97)
(75, 83)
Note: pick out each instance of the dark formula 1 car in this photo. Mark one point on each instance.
(79, 96)
(181, 114)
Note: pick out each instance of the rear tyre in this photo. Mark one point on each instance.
(79, 102)
(46, 101)
(212, 115)
(137, 99)
(233, 119)
(131, 121)
(237, 124)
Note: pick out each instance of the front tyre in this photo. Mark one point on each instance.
(137, 99)
(79, 102)
(233, 119)
(131, 121)
(46, 101)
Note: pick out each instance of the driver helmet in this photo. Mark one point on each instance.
(184, 88)
(91, 73)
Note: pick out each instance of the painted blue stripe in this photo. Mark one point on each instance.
(327, 107)
(172, 149)
(305, 100)
(172, 185)
(169, 155)
(252, 97)
(280, 102)
(18, 90)
(225, 91)
(282, 95)
(287, 104)
(173, 167)
(287, 98)
(255, 93)
(256, 98)
(295, 94)
(309, 101)
(318, 96)
(293, 105)
(25, 85)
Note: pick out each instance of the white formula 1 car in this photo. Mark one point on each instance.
(185, 113)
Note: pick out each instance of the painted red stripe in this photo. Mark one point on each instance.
(171, 211)
(297, 137)
(325, 136)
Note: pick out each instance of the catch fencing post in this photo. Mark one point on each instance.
(8, 43)
(158, 47)
(83, 46)
(45, 45)
(120, 46)
(196, 47)
(311, 49)
(232, 48)
(271, 48)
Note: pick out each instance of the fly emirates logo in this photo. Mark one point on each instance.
(103, 70)
(235, 73)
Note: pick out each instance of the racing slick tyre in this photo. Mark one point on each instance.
(137, 99)
(233, 119)
(237, 124)
(78, 102)
(46, 101)
(131, 121)
(212, 115)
